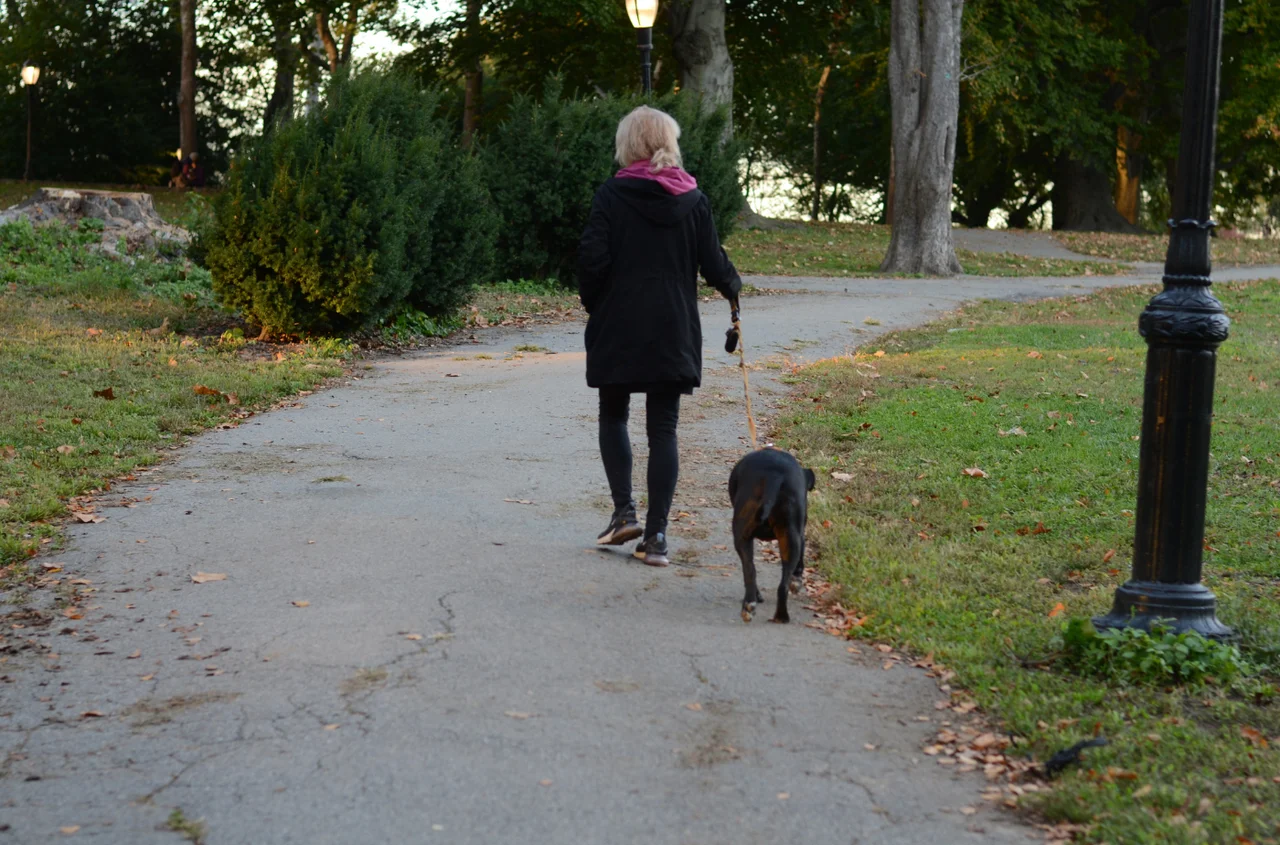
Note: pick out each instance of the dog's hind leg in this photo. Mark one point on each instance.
(745, 546)
(797, 578)
(791, 551)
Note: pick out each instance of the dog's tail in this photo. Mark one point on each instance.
(769, 495)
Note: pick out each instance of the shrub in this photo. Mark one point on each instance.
(544, 163)
(336, 220)
(1157, 657)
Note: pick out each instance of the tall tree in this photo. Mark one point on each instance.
(187, 89)
(924, 89)
(697, 36)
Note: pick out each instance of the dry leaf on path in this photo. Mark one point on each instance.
(974, 472)
(695, 706)
(136, 654)
(206, 577)
(332, 727)
(69, 829)
(301, 604)
(91, 714)
(413, 636)
(516, 714)
(519, 501)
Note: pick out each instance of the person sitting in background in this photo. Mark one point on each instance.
(193, 173)
(175, 170)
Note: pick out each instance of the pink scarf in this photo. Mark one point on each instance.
(672, 179)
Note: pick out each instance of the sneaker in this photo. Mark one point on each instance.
(623, 527)
(653, 550)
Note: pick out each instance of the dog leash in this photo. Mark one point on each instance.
(735, 337)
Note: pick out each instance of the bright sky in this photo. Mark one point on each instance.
(370, 44)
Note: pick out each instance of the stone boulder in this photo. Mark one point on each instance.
(131, 216)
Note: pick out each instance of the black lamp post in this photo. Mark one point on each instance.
(30, 76)
(642, 14)
(1183, 325)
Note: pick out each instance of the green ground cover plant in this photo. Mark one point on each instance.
(996, 571)
(856, 249)
(99, 361)
(1227, 252)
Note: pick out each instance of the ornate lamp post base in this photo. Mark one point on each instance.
(1183, 607)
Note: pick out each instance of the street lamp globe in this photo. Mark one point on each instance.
(642, 12)
(30, 73)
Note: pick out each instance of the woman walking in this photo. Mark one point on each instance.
(649, 234)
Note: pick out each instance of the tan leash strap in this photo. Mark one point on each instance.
(746, 387)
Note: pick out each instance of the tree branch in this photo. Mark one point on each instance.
(326, 38)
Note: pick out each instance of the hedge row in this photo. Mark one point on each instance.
(339, 219)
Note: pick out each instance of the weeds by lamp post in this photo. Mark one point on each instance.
(1183, 326)
(30, 76)
(642, 14)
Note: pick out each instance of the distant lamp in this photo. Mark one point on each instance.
(642, 14)
(30, 76)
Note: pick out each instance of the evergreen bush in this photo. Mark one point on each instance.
(545, 161)
(335, 220)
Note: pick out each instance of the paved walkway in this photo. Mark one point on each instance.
(416, 641)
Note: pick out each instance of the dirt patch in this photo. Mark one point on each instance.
(363, 680)
(150, 711)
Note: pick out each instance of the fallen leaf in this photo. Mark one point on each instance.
(693, 705)
(413, 636)
(519, 501)
(1040, 529)
(332, 727)
(66, 450)
(201, 390)
(1016, 431)
(974, 472)
(135, 655)
(842, 476)
(545, 782)
(451, 375)
(1057, 610)
(69, 829)
(231, 398)
(73, 613)
(1255, 737)
(968, 811)
(516, 714)
(91, 714)
(826, 523)
(106, 393)
(147, 677)
(93, 332)
(1034, 354)
(869, 746)
(783, 796)
(206, 577)
(1106, 558)
(301, 604)
(879, 353)
(9, 453)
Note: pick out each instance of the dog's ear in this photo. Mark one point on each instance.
(810, 480)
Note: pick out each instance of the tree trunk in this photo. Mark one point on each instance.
(285, 53)
(924, 92)
(187, 90)
(1082, 199)
(326, 38)
(697, 33)
(817, 143)
(474, 91)
(890, 190)
(1128, 173)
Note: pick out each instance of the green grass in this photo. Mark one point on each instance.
(170, 204)
(73, 322)
(1227, 252)
(854, 249)
(955, 566)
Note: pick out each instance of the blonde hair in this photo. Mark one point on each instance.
(650, 134)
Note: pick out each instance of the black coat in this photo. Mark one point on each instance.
(638, 266)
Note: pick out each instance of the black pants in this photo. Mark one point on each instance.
(662, 413)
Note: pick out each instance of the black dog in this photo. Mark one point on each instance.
(769, 490)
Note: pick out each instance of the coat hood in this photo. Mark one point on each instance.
(652, 201)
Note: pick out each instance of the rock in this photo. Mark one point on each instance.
(131, 216)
